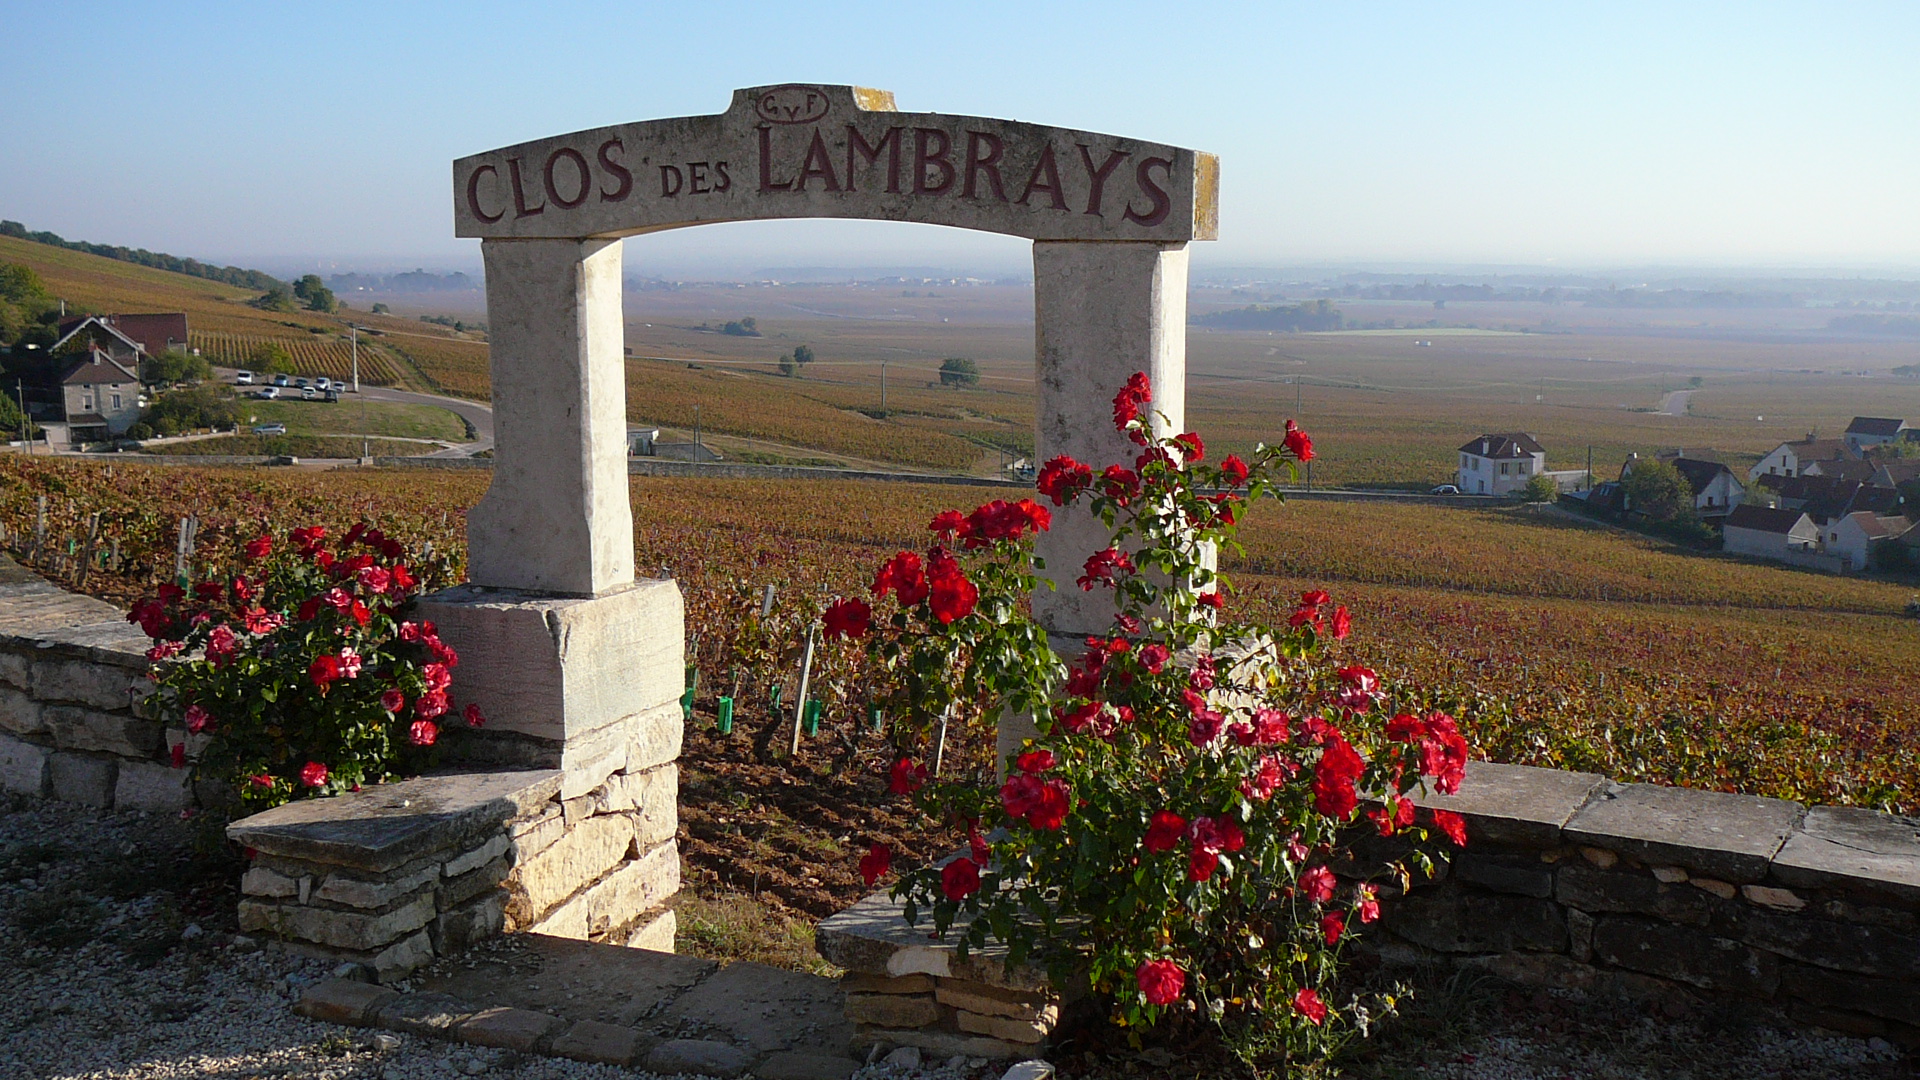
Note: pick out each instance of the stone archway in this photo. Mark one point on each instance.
(564, 648)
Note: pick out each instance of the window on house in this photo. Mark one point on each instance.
(116, 401)
(86, 403)
(1503, 468)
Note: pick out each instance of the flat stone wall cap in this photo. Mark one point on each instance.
(1516, 804)
(342, 1001)
(1730, 837)
(509, 1029)
(1848, 845)
(381, 827)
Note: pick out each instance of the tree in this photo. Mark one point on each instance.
(1657, 490)
(382, 309)
(802, 355)
(174, 366)
(1541, 489)
(275, 299)
(959, 371)
(269, 358)
(204, 406)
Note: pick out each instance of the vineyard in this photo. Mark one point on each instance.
(313, 355)
(454, 366)
(1661, 666)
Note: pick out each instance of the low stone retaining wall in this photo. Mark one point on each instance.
(72, 684)
(395, 875)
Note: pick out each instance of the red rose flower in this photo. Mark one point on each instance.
(1063, 479)
(1332, 925)
(1369, 907)
(960, 879)
(875, 863)
(436, 676)
(1233, 470)
(1154, 657)
(472, 715)
(903, 576)
(198, 719)
(1164, 831)
(393, 700)
(1120, 484)
(1308, 1004)
(1212, 599)
(1036, 761)
(1317, 883)
(1266, 779)
(953, 596)
(1191, 448)
(222, 643)
(423, 733)
(1453, 825)
(1298, 442)
(1443, 753)
(431, 705)
(849, 619)
(1104, 568)
(1161, 981)
(179, 754)
(1126, 404)
(313, 774)
(947, 524)
(1342, 623)
(260, 547)
(324, 671)
(1334, 777)
(906, 777)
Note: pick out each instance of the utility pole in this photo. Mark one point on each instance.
(883, 387)
(356, 358)
(1296, 395)
(696, 434)
(26, 422)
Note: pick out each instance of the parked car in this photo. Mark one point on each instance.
(308, 393)
(302, 383)
(1445, 489)
(333, 396)
(323, 383)
(267, 393)
(269, 429)
(283, 380)
(243, 378)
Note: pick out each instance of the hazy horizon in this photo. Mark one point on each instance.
(1734, 138)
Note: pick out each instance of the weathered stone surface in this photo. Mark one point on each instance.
(703, 1057)
(1842, 946)
(1628, 892)
(1521, 874)
(578, 859)
(1003, 1027)
(655, 796)
(1600, 857)
(19, 713)
(858, 982)
(386, 826)
(656, 934)
(1168, 197)
(942, 1043)
(1554, 970)
(993, 1001)
(654, 738)
(76, 727)
(1769, 897)
(1732, 837)
(509, 1029)
(1457, 922)
(96, 685)
(23, 768)
(425, 1013)
(1845, 845)
(261, 881)
(495, 847)
(578, 980)
(589, 759)
(558, 668)
(1579, 935)
(645, 883)
(535, 835)
(873, 938)
(604, 1044)
(344, 888)
(1035, 1069)
(476, 920)
(82, 778)
(147, 785)
(15, 669)
(801, 1065)
(343, 1001)
(337, 929)
(1516, 804)
(892, 1010)
(456, 891)
(1891, 999)
(1686, 955)
(1725, 890)
(767, 1008)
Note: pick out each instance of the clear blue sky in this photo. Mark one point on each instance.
(1574, 134)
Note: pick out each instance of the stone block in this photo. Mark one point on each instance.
(1003, 1027)
(575, 861)
(355, 891)
(353, 930)
(386, 826)
(1579, 935)
(993, 1001)
(508, 1029)
(574, 811)
(555, 667)
(590, 759)
(476, 920)
(456, 891)
(343, 1001)
(654, 738)
(655, 796)
(23, 768)
(1686, 955)
(1891, 999)
(893, 1010)
(1725, 890)
(765, 1008)
(1768, 896)
(20, 714)
(16, 670)
(656, 934)
(645, 883)
(702, 1057)
(1627, 892)
(82, 778)
(602, 1044)
(1522, 874)
(1838, 845)
(261, 881)
(1839, 946)
(146, 785)
(858, 982)
(802, 1065)
(97, 685)
(873, 938)
(943, 1043)
(425, 1013)
(1731, 837)
(536, 834)
(1457, 922)
(1517, 805)
(495, 847)
(1563, 973)
(75, 727)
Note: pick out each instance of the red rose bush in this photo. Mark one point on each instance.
(1171, 831)
(303, 674)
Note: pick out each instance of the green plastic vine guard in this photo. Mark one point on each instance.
(773, 701)
(876, 718)
(810, 717)
(723, 718)
(686, 697)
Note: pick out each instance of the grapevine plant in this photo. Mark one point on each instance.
(1170, 832)
(303, 675)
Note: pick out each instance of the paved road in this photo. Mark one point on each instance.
(1674, 403)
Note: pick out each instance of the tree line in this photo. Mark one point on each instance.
(231, 275)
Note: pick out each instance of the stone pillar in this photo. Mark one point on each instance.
(1101, 311)
(557, 519)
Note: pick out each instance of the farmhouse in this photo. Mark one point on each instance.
(1769, 533)
(1500, 464)
(1715, 490)
(98, 397)
(155, 333)
(1868, 431)
(1891, 474)
(1854, 537)
(1806, 456)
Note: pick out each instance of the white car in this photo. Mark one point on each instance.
(267, 393)
(310, 393)
(243, 378)
(323, 383)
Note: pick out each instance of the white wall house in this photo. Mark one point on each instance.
(1767, 533)
(1794, 458)
(1868, 431)
(1715, 491)
(1852, 537)
(1500, 464)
